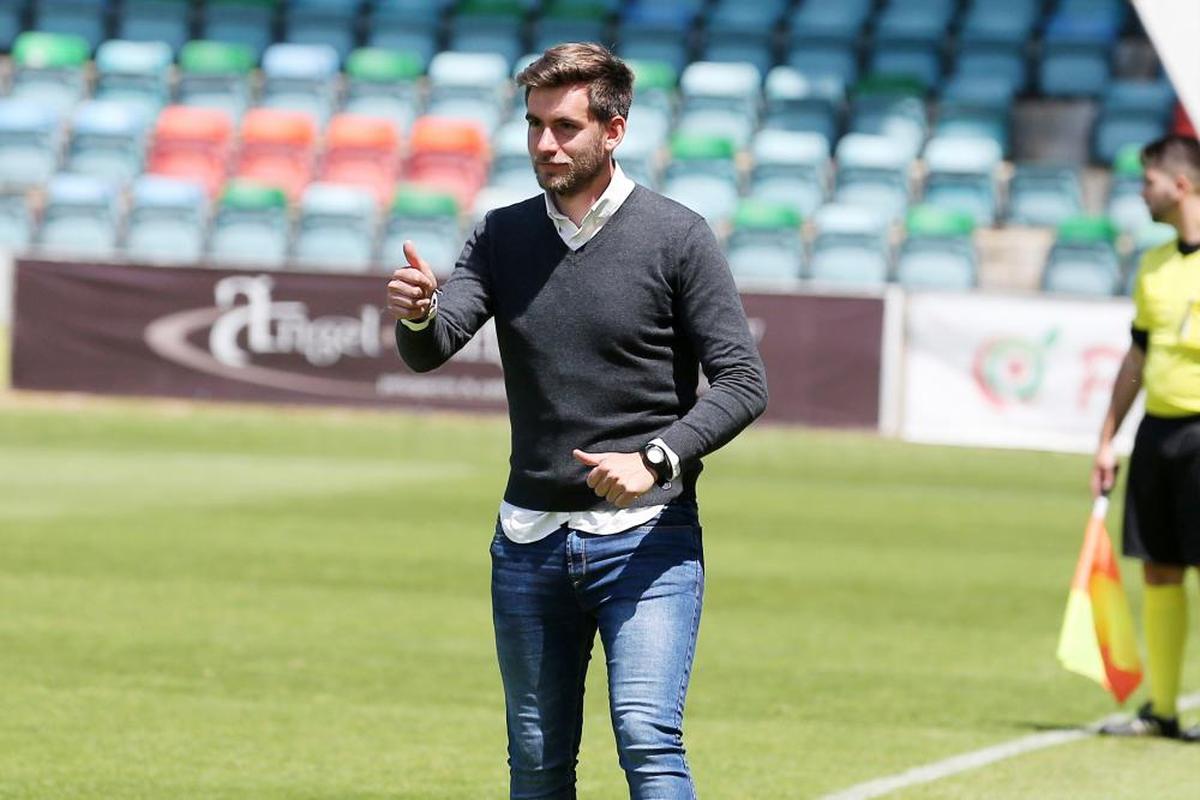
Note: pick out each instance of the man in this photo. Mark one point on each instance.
(1162, 503)
(607, 300)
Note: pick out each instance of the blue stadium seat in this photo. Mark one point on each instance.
(335, 230)
(791, 167)
(250, 226)
(976, 106)
(818, 22)
(166, 221)
(30, 136)
(407, 26)
(1131, 112)
(108, 140)
(300, 77)
(494, 28)
(87, 19)
(383, 83)
(10, 24)
(798, 102)
(1005, 26)
(167, 21)
(1083, 259)
(471, 86)
(80, 217)
(938, 252)
(738, 31)
(564, 23)
(832, 60)
(215, 75)
(492, 197)
(657, 30)
(1125, 206)
(1044, 194)
(244, 22)
(135, 73)
(894, 114)
(873, 172)
(720, 100)
(850, 247)
(703, 176)
(323, 22)
(16, 222)
(995, 63)
(765, 246)
(1076, 54)
(511, 166)
(430, 221)
(908, 39)
(961, 175)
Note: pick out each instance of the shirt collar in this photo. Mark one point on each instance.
(614, 195)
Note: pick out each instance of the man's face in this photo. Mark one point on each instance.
(1161, 192)
(567, 146)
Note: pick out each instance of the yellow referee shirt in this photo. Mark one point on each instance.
(1166, 299)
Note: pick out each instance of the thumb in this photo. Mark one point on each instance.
(589, 459)
(415, 260)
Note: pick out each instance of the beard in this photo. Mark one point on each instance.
(580, 172)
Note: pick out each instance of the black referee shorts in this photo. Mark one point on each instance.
(1162, 498)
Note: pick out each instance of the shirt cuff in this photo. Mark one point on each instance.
(671, 457)
(423, 324)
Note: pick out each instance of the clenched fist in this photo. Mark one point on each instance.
(410, 291)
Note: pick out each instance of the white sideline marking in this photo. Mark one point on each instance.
(979, 758)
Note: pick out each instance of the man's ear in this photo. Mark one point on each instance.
(614, 132)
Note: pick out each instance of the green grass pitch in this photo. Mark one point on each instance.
(222, 603)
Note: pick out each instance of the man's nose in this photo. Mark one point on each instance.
(545, 142)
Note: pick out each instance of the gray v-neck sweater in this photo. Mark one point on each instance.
(601, 347)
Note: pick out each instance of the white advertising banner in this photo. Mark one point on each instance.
(1001, 371)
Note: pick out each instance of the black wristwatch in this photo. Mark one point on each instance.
(655, 459)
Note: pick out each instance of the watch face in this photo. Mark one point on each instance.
(656, 455)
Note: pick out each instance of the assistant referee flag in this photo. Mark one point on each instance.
(1097, 638)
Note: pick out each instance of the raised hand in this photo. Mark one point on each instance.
(619, 478)
(410, 291)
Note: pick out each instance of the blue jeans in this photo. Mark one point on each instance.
(642, 590)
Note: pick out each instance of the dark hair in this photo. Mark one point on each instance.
(1174, 154)
(609, 79)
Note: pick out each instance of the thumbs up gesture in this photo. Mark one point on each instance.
(410, 291)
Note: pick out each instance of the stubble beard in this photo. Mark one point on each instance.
(581, 172)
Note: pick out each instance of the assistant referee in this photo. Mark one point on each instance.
(1162, 504)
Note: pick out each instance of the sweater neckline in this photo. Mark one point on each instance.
(616, 220)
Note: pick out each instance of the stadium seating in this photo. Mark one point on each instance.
(30, 139)
(215, 75)
(1125, 206)
(937, 252)
(469, 86)
(86, 19)
(107, 141)
(325, 23)
(166, 221)
(250, 226)
(300, 77)
(494, 27)
(383, 83)
(448, 155)
(1044, 195)
(850, 248)
(167, 21)
(244, 22)
(408, 26)
(703, 176)
(1147, 237)
(16, 221)
(79, 218)
(961, 173)
(720, 100)
(1076, 51)
(361, 151)
(798, 102)
(277, 149)
(873, 172)
(1131, 112)
(192, 143)
(1083, 259)
(335, 228)
(133, 73)
(49, 69)
(765, 245)
(791, 167)
(430, 220)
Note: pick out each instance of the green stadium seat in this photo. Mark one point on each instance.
(383, 83)
(50, 69)
(250, 226)
(938, 252)
(429, 219)
(765, 245)
(215, 75)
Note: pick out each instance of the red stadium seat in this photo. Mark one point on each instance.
(362, 151)
(192, 143)
(277, 148)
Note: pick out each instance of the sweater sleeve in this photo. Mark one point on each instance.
(711, 315)
(464, 305)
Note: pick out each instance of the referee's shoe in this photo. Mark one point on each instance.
(1147, 723)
